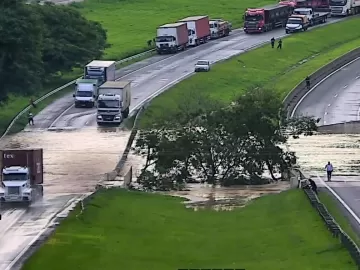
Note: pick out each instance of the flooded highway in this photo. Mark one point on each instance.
(74, 162)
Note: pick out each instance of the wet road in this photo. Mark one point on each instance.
(337, 99)
(75, 157)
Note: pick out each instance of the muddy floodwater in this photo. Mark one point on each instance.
(74, 160)
(315, 151)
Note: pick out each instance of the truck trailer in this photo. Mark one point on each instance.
(258, 20)
(86, 92)
(102, 71)
(219, 28)
(198, 28)
(171, 38)
(21, 175)
(344, 7)
(113, 102)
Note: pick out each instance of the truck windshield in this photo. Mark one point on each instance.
(108, 104)
(338, 2)
(84, 94)
(253, 18)
(294, 21)
(164, 39)
(15, 177)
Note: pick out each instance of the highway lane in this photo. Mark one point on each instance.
(159, 76)
(77, 159)
(337, 99)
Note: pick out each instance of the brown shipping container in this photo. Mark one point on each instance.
(33, 158)
(202, 25)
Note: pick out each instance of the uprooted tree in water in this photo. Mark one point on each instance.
(227, 146)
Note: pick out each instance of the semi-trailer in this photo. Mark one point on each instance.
(21, 174)
(258, 20)
(219, 28)
(171, 38)
(198, 29)
(102, 71)
(344, 7)
(113, 102)
(316, 5)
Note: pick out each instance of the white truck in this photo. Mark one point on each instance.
(113, 104)
(344, 7)
(102, 71)
(313, 17)
(171, 38)
(86, 92)
(21, 175)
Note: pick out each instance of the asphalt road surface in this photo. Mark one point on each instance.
(75, 159)
(336, 100)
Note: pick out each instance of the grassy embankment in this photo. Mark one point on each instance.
(302, 54)
(334, 208)
(130, 24)
(133, 230)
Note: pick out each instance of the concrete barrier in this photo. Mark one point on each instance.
(300, 90)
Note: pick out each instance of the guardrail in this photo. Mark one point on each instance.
(333, 226)
(27, 108)
(301, 89)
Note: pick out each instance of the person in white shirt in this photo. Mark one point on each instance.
(30, 118)
(329, 169)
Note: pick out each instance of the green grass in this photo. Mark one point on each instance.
(133, 230)
(131, 23)
(302, 54)
(15, 104)
(333, 207)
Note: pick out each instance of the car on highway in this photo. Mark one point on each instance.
(202, 65)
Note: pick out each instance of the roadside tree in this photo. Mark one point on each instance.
(233, 145)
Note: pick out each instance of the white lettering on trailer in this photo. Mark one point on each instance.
(9, 156)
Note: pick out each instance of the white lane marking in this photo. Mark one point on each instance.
(358, 77)
(340, 200)
(345, 86)
(325, 113)
(61, 115)
(336, 95)
(316, 85)
(329, 105)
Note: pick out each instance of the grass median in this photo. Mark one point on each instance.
(302, 54)
(130, 24)
(133, 230)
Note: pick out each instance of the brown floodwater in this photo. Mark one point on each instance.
(74, 160)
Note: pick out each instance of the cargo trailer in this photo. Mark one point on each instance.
(198, 28)
(171, 38)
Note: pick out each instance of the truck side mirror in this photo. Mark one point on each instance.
(73, 95)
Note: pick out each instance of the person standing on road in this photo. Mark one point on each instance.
(31, 119)
(279, 46)
(329, 169)
(272, 41)
(313, 185)
(307, 79)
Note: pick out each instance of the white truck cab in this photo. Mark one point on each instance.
(16, 184)
(109, 109)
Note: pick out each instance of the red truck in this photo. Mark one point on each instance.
(199, 29)
(21, 174)
(171, 38)
(316, 5)
(258, 20)
(219, 28)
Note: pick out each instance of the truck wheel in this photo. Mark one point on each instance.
(76, 105)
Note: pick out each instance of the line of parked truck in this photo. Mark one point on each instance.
(296, 15)
(189, 32)
(99, 88)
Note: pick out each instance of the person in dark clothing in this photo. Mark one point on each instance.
(272, 41)
(279, 46)
(31, 119)
(149, 42)
(313, 185)
(307, 79)
(32, 103)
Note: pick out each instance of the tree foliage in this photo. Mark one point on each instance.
(40, 41)
(233, 145)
